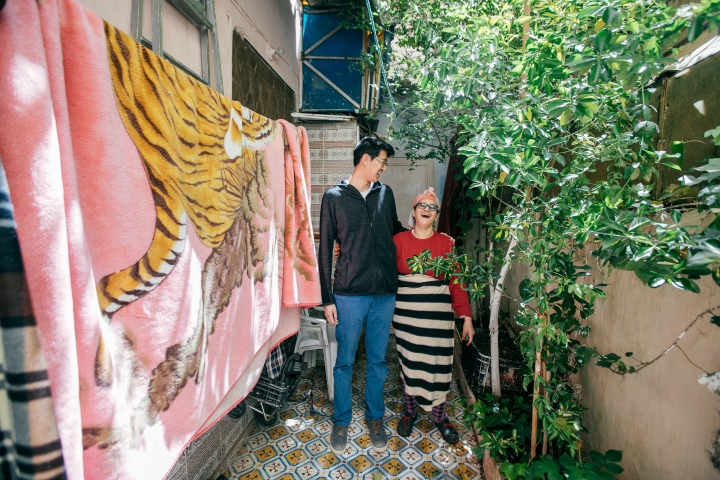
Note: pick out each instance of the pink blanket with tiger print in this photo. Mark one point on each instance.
(164, 229)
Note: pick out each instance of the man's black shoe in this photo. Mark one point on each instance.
(447, 430)
(405, 425)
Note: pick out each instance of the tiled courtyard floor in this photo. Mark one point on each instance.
(297, 447)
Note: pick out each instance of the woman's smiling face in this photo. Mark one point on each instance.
(424, 216)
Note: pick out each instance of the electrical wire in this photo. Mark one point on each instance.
(379, 54)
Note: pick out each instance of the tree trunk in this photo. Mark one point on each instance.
(495, 296)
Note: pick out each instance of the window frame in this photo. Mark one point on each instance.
(203, 20)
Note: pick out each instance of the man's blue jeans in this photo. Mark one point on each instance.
(375, 312)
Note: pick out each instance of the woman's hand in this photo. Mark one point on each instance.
(468, 330)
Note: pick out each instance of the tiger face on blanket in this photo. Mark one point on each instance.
(200, 154)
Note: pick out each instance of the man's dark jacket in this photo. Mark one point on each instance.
(363, 228)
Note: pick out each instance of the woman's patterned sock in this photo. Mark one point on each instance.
(438, 413)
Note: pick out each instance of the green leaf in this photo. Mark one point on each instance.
(715, 320)
(696, 28)
(628, 354)
(602, 40)
(610, 15)
(671, 165)
(656, 282)
(715, 133)
(686, 284)
(679, 148)
(565, 117)
(598, 458)
(614, 468)
(676, 215)
(599, 72)
(526, 292)
(592, 11)
(614, 455)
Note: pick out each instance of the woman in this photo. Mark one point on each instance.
(424, 322)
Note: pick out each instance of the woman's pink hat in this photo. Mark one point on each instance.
(428, 194)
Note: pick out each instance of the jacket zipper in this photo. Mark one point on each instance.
(377, 270)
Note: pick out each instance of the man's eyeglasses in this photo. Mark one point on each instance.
(425, 206)
(384, 162)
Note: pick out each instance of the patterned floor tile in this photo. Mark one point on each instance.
(254, 475)
(394, 467)
(286, 444)
(265, 453)
(444, 458)
(340, 473)
(428, 470)
(258, 440)
(274, 468)
(396, 443)
(425, 426)
(379, 457)
(327, 461)
(411, 455)
(316, 447)
(242, 464)
(306, 435)
(298, 446)
(307, 470)
(295, 457)
(277, 432)
(466, 472)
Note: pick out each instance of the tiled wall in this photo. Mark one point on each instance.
(331, 159)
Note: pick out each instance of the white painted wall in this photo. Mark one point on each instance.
(267, 25)
(439, 168)
(115, 12)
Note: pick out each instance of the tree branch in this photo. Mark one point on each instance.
(672, 345)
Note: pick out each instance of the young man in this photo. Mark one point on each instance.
(360, 216)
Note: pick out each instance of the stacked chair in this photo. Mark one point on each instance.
(316, 334)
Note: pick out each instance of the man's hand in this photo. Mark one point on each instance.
(468, 330)
(331, 314)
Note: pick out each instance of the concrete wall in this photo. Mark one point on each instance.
(662, 419)
(267, 24)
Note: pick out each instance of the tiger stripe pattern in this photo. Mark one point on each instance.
(199, 152)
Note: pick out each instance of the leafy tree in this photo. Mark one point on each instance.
(551, 114)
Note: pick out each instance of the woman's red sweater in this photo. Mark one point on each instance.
(408, 245)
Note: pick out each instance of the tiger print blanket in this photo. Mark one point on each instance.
(164, 229)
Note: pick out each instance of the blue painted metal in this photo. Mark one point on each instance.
(345, 74)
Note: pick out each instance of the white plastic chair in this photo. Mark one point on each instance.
(316, 334)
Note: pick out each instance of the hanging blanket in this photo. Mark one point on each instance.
(165, 233)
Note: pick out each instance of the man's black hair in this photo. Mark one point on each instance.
(372, 146)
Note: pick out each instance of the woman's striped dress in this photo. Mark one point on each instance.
(423, 324)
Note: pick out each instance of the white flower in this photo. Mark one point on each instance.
(712, 380)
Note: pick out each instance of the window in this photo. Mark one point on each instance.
(183, 32)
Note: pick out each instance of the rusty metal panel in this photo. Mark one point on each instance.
(256, 85)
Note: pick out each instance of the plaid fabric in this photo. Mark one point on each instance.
(29, 442)
(274, 362)
(278, 355)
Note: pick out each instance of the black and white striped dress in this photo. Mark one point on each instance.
(423, 324)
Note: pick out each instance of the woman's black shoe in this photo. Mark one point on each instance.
(447, 430)
(405, 425)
